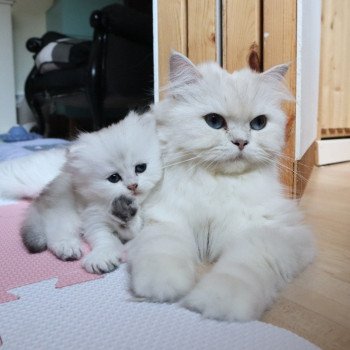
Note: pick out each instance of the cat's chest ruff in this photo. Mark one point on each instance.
(209, 195)
(202, 197)
(226, 200)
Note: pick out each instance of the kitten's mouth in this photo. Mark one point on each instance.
(239, 156)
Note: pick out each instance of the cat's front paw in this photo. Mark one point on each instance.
(67, 249)
(224, 297)
(102, 260)
(125, 208)
(161, 277)
(128, 231)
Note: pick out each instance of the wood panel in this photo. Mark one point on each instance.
(304, 168)
(279, 26)
(241, 23)
(172, 33)
(201, 30)
(334, 103)
(187, 26)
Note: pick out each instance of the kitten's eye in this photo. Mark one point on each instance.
(114, 178)
(140, 168)
(259, 122)
(215, 121)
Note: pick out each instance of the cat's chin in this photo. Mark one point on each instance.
(236, 166)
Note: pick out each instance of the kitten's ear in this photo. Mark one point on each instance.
(73, 150)
(182, 70)
(77, 147)
(148, 120)
(277, 72)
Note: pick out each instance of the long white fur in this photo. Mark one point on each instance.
(81, 199)
(217, 205)
(27, 176)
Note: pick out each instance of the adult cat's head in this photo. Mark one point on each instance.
(227, 123)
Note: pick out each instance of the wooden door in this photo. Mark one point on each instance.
(191, 27)
(334, 111)
(187, 26)
(334, 99)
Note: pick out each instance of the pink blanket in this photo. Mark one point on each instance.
(18, 267)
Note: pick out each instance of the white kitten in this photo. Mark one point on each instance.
(220, 201)
(106, 177)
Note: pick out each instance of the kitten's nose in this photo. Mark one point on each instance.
(132, 187)
(240, 143)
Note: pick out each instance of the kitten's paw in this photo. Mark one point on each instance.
(102, 260)
(224, 297)
(161, 277)
(67, 249)
(125, 208)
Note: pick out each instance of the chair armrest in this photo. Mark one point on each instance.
(124, 22)
(34, 45)
(96, 20)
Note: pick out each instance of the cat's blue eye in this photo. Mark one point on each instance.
(114, 178)
(258, 122)
(140, 168)
(215, 121)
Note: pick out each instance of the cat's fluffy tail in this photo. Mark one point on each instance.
(26, 177)
(32, 231)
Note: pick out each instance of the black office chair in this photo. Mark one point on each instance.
(115, 76)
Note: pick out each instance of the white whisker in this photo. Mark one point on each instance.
(180, 162)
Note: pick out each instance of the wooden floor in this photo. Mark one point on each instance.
(316, 305)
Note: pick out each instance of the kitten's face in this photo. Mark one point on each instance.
(122, 160)
(229, 122)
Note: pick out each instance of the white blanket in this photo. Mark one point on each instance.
(100, 314)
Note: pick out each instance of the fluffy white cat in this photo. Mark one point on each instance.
(220, 202)
(106, 176)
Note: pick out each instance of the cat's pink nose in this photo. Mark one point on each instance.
(132, 187)
(240, 143)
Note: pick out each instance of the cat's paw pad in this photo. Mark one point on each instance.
(67, 249)
(125, 208)
(102, 260)
(161, 277)
(223, 297)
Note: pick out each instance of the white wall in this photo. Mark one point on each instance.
(7, 86)
(155, 51)
(308, 63)
(28, 21)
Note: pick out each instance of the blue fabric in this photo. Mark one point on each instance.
(24, 148)
(19, 133)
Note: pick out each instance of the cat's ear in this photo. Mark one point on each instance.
(274, 77)
(277, 72)
(76, 149)
(182, 70)
(147, 120)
